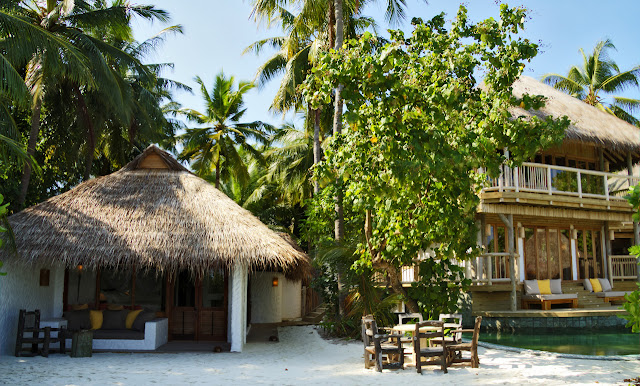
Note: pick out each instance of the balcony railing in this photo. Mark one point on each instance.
(623, 267)
(561, 180)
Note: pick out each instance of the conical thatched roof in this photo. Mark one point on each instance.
(155, 214)
(588, 124)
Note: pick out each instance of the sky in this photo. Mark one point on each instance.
(216, 32)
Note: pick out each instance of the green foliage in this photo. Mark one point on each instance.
(417, 130)
(632, 303)
(632, 306)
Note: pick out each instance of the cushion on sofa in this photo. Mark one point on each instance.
(131, 317)
(612, 294)
(550, 297)
(556, 286)
(141, 319)
(587, 285)
(118, 334)
(595, 284)
(531, 287)
(77, 320)
(114, 320)
(96, 319)
(606, 286)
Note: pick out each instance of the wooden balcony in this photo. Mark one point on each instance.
(559, 186)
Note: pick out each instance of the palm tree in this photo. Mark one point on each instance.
(71, 23)
(214, 146)
(598, 75)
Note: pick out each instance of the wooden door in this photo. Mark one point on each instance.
(212, 308)
(197, 308)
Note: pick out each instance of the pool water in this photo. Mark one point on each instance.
(582, 343)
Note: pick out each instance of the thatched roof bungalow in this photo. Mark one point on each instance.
(154, 215)
(589, 125)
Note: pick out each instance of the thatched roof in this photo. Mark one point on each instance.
(588, 124)
(155, 214)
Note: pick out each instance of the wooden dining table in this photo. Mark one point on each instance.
(403, 328)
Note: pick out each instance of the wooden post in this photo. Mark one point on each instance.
(483, 231)
(636, 230)
(508, 221)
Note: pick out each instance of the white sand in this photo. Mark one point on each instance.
(302, 357)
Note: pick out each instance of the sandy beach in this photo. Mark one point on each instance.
(303, 357)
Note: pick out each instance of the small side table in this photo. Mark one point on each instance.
(82, 344)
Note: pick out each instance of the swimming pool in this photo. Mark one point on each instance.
(587, 342)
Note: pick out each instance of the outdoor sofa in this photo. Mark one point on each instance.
(604, 290)
(115, 330)
(546, 293)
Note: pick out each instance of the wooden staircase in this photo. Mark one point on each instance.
(586, 299)
(315, 316)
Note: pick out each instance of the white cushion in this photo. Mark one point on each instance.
(606, 286)
(556, 286)
(531, 287)
(587, 285)
(550, 297)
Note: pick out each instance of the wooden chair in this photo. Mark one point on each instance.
(455, 350)
(376, 346)
(33, 338)
(440, 352)
(403, 317)
(452, 323)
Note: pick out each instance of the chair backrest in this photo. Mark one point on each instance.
(436, 331)
(452, 322)
(369, 329)
(476, 333)
(404, 317)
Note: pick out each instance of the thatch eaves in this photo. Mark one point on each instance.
(153, 214)
(588, 123)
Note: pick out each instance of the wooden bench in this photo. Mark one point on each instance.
(546, 301)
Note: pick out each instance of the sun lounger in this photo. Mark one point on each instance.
(607, 293)
(546, 293)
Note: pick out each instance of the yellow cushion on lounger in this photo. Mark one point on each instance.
(96, 319)
(545, 287)
(131, 317)
(595, 283)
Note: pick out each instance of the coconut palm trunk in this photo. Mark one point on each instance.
(31, 150)
(91, 138)
(337, 123)
(317, 150)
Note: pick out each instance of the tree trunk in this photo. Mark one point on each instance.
(332, 24)
(91, 138)
(218, 173)
(317, 150)
(31, 150)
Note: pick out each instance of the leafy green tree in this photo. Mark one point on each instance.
(212, 147)
(598, 75)
(418, 130)
(632, 304)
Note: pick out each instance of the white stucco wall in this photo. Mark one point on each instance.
(266, 300)
(291, 299)
(20, 289)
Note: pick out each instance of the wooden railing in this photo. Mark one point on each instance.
(561, 180)
(491, 268)
(623, 267)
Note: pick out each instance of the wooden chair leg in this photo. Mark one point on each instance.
(46, 342)
(18, 349)
(379, 363)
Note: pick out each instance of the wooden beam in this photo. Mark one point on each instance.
(508, 221)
